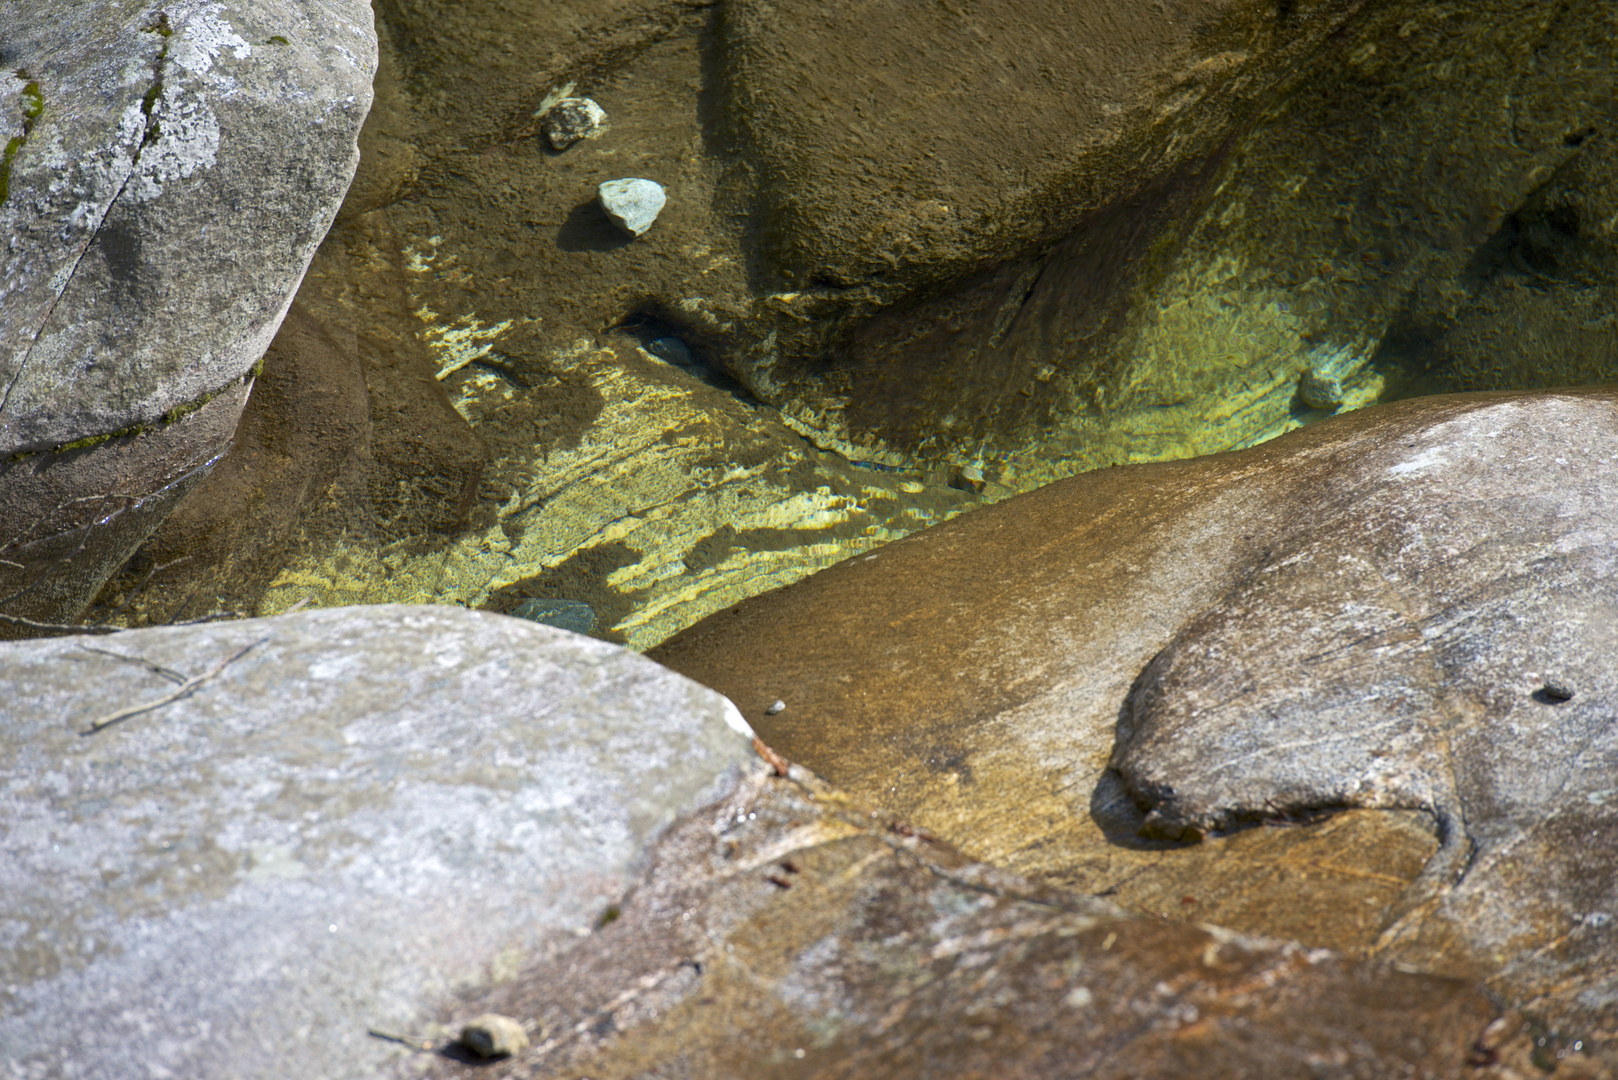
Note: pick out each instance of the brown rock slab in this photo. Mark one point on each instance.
(787, 932)
(973, 677)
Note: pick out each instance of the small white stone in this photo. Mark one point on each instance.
(776, 707)
(632, 204)
(572, 119)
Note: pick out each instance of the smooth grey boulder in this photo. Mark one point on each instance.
(632, 204)
(186, 161)
(367, 809)
(169, 171)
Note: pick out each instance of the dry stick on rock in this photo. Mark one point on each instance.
(156, 669)
(185, 689)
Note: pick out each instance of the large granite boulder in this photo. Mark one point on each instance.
(1370, 613)
(169, 172)
(350, 814)
(788, 933)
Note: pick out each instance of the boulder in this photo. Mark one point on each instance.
(315, 825)
(788, 932)
(1412, 573)
(169, 173)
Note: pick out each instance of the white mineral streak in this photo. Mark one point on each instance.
(188, 130)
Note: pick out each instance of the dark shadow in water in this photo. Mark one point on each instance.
(1112, 808)
(588, 228)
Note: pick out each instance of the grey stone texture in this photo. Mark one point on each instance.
(369, 808)
(185, 162)
(170, 171)
(69, 520)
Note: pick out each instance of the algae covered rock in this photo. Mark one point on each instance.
(350, 813)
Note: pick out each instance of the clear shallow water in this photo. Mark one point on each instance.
(559, 416)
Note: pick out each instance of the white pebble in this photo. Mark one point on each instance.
(777, 706)
(632, 204)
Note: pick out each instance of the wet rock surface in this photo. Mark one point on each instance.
(1418, 652)
(787, 932)
(356, 812)
(975, 678)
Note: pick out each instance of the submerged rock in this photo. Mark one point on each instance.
(1395, 584)
(351, 812)
(632, 204)
(573, 119)
(574, 615)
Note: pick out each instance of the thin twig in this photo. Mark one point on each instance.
(156, 669)
(408, 1040)
(776, 761)
(183, 690)
(61, 628)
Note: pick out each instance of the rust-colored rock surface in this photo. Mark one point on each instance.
(974, 677)
(788, 933)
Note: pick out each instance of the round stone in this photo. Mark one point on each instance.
(632, 204)
(1320, 389)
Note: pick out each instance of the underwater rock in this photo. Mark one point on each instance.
(1320, 389)
(671, 349)
(574, 615)
(971, 678)
(573, 119)
(350, 811)
(788, 933)
(632, 204)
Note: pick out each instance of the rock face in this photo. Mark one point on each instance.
(306, 429)
(68, 520)
(788, 933)
(366, 809)
(1446, 644)
(1449, 554)
(150, 148)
